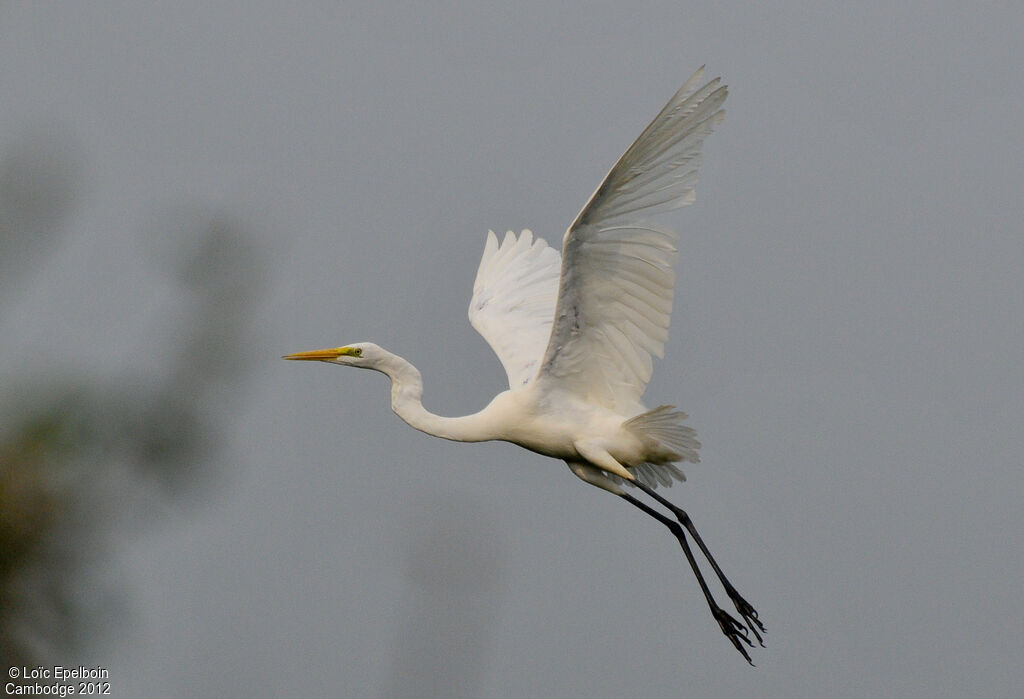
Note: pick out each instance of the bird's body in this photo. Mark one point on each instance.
(547, 423)
(576, 333)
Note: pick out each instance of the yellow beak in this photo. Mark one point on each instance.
(318, 355)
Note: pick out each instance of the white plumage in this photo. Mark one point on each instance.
(513, 302)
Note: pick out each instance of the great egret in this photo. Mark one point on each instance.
(576, 333)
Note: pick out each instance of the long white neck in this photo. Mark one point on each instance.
(406, 401)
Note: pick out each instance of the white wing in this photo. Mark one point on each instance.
(615, 294)
(513, 302)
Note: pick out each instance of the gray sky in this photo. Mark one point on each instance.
(847, 339)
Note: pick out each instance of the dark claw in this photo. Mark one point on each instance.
(749, 615)
(735, 632)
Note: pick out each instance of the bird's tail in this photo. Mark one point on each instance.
(664, 426)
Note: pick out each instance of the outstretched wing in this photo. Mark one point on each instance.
(615, 294)
(513, 302)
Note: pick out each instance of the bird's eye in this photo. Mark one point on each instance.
(358, 352)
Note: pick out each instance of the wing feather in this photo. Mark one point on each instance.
(617, 278)
(513, 302)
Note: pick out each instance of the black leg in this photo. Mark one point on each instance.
(745, 609)
(732, 628)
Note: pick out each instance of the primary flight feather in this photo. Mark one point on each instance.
(576, 334)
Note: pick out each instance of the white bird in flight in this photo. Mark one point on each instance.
(576, 333)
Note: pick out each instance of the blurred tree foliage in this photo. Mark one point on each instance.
(79, 457)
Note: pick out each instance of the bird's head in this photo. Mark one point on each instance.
(364, 355)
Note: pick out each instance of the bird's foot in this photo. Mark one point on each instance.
(734, 631)
(748, 614)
